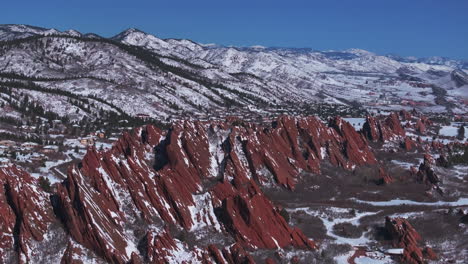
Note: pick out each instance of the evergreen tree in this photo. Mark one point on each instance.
(461, 132)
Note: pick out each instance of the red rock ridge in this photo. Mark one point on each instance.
(195, 176)
(25, 213)
(403, 235)
(387, 129)
(426, 171)
(157, 177)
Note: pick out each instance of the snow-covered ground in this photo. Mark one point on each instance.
(357, 123)
(452, 130)
(398, 202)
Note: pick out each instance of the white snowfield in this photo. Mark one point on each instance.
(166, 78)
(398, 202)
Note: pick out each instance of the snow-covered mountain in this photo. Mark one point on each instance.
(140, 74)
(10, 32)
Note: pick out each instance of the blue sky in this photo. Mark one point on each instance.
(419, 28)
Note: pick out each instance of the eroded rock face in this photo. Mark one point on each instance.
(384, 177)
(355, 145)
(426, 171)
(403, 235)
(199, 176)
(408, 144)
(25, 214)
(420, 127)
(405, 115)
(202, 178)
(77, 254)
(230, 255)
(383, 130)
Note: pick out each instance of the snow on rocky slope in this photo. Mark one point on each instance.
(203, 192)
(142, 74)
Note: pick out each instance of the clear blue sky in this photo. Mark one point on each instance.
(419, 28)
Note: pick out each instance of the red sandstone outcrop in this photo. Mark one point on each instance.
(408, 144)
(230, 255)
(430, 254)
(405, 115)
(426, 121)
(384, 177)
(108, 191)
(355, 146)
(383, 130)
(403, 235)
(437, 145)
(426, 171)
(195, 176)
(420, 127)
(25, 213)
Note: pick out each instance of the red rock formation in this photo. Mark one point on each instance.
(429, 253)
(392, 127)
(419, 140)
(236, 254)
(409, 144)
(354, 144)
(420, 127)
(107, 191)
(77, 254)
(437, 145)
(72, 254)
(25, 214)
(384, 177)
(162, 248)
(425, 121)
(405, 115)
(371, 129)
(403, 235)
(295, 260)
(254, 221)
(413, 171)
(195, 176)
(426, 172)
(384, 130)
(229, 255)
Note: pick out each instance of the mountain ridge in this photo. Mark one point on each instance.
(174, 78)
(436, 60)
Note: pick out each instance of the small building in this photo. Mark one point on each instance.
(395, 251)
(143, 116)
(4, 162)
(28, 128)
(87, 141)
(7, 143)
(37, 157)
(3, 149)
(55, 131)
(50, 149)
(29, 145)
(100, 134)
(8, 109)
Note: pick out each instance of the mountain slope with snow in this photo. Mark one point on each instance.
(144, 75)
